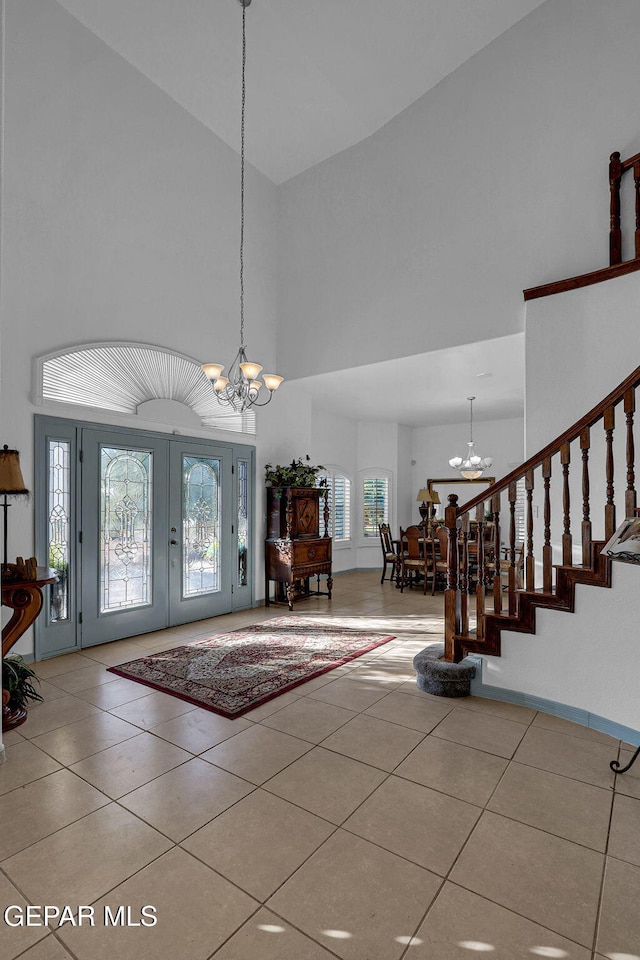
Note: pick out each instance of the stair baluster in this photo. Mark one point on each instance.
(567, 543)
(630, 499)
(513, 496)
(547, 555)
(585, 442)
(481, 573)
(531, 561)
(610, 508)
(497, 593)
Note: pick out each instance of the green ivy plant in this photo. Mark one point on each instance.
(298, 473)
(17, 678)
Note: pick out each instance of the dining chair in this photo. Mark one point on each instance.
(389, 555)
(416, 556)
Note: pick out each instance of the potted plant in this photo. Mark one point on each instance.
(298, 473)
(17, 690)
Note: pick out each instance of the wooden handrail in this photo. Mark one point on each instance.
(572, 433)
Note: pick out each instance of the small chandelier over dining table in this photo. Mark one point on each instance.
(472, 466)
(240, 389)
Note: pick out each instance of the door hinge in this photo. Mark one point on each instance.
(233, 468)
(233, 529)
(80, 536)
(81, 456)
(79, 618)
(232, 588)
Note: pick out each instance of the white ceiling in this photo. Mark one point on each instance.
(430, 388)
(321, 74)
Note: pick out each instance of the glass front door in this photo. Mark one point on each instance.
(159, 535)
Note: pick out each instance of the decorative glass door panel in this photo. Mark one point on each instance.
(126, 496)
(124, 534)
(201, 537)
(200, 526)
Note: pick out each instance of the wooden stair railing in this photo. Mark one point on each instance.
(617, 267)
(545, 584)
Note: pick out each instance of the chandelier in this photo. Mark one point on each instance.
(473, 466)
(240, 389)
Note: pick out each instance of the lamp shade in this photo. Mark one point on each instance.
(435, 497)
(11, 480)
(425, 495)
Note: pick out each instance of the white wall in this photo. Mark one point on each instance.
(579, 346)
(424, 235)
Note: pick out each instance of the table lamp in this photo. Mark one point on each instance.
(426, 496)
(11, 485)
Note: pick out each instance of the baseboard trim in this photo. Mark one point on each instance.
(575, 714)
(3, 754)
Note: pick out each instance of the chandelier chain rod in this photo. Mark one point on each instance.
(242, 115)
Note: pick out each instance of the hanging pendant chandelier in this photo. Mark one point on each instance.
(472, 466)
(240, 389)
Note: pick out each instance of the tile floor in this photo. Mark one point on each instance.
(354, 817)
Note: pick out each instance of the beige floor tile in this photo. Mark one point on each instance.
(115, 692)
(50, 690)
(452, 768)
(353, 694)
(482, 731)
(47, 716)
(376, 742)
(387, 672)
(81, 739)
(461, 925)
(257, 753)
(33, 811)
(326, 784)
(547, 879)
(408, 819)
(309, 719)
(569, 808)
(267, 937)
(15, 939)
(184, 799)
(48, 949)
(259, 842)
(628, 783)
(24, 763)
(11, 737)
(310, 686)
(113, 653)
(272, 706)
(413, 712)
(61, 665)
(624, 836)
(83, 861)
(559, 725)
(127, 765)
(619, 930)
(499, 708)
(199, 730)
(85, 677)
(328, 900)
(569, 756)
(152, 709)
(196, 911)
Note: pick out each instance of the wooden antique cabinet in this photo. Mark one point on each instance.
(294, 549)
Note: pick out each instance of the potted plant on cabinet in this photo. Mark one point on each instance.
(17, 690)
(298, 473)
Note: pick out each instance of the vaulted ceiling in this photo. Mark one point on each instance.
(321, 74)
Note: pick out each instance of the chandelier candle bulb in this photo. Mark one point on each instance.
(272, 381)
(212, 370)
(251, 370)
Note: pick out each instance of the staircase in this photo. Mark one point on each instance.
(491, 577)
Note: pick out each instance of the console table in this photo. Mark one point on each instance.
(24, 597)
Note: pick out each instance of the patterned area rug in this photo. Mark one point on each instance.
(235, 672)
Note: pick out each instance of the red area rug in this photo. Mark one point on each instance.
(235, 672)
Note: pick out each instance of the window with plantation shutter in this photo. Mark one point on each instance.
(375, 505)
(339, 503)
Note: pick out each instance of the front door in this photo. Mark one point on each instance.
(158, 533)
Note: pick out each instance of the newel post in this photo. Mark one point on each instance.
(451, 594)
